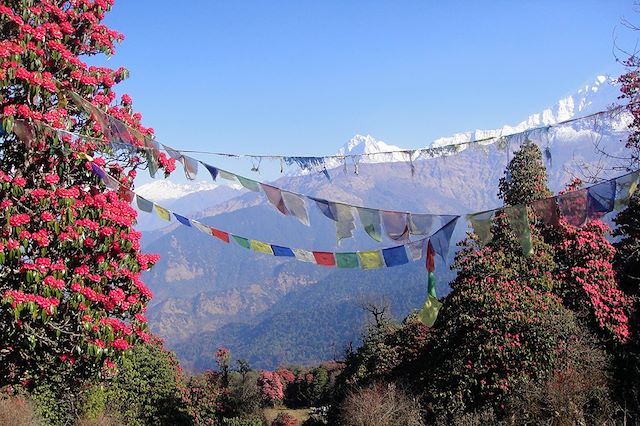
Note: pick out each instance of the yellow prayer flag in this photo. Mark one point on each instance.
(162, 213)
(261, 247)
(429, 312)
(370, 259)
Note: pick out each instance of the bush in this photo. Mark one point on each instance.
(18, 411)
(380, 405)
(284, 419)
(577, 391)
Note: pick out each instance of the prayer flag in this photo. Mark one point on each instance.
(370, 259)
(221, 235)
(260, 247)
(144, 204)
(97, 170)
(183, 220)
(430, 264)
(304, 255)
(324, 258)
(213, 171)
(282, 251)
(249, 184)
(370, 219)
(547, 211)
(126, 194)
(152, 154)
(573, 206)
(201, 227)
(347, 260)
(274, 195)
(396, 224)
(395, 256)
(429, 312)
(415, 249)
(243, 242)
(345, 222)
(162, 213)
(625, 187)
(296, 207)
(442, 238)
(323, 206)
(190, 167)
(601, 199)
(519, 223)
(481, 224)
(227, 176)
(420, 224)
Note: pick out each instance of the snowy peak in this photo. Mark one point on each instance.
(589, 99)
(360, 144)
(163, 190)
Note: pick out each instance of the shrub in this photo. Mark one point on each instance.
(18, 411)
(284, 419)
(380, 405)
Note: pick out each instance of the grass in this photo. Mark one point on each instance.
(301, 414)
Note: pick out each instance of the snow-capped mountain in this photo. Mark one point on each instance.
(591, 98)
(360, 144)
(162, 190)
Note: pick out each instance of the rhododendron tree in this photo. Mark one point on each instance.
(587, 280)
(270, 387)
(71, 297)
(502, 326)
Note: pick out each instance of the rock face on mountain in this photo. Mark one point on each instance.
(272, 311)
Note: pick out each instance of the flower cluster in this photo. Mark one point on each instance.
(70, 262)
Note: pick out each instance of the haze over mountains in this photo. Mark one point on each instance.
(272, 311)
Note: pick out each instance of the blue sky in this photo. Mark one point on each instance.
(302, 77)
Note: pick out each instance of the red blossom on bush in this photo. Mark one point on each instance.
(270, 387)
(70, 263)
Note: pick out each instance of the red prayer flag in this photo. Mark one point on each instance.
(224, 236)
(431, 258)
(324, 258)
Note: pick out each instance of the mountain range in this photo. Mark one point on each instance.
(271, 311)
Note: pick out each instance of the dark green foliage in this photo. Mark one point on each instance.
(525, 179)
(147, 389)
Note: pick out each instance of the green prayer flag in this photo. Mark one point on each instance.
(249, 184)
(242, 241)
(370, 219)
(347, 260)
(519, 222)
(431, 284)
(481, 224)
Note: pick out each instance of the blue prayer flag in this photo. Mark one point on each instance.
(183, 220)
(395, 256)
(212, 170)
(282, 251)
